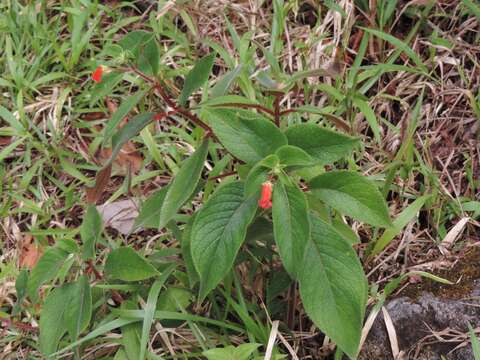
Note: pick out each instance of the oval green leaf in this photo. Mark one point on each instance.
(90, 231)
(352, 194)
(291, 226)
(218, 232)
(165, 205)
(79, 309)
(196, 77)
(246, 135)
(126, 264)
(333, 287)
(324, 145)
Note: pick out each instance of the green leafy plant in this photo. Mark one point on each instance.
(276, 175)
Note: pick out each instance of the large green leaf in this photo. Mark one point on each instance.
(333, 286)
(218, 232)
(324, 145)
(126, 264)
(248, 136)
(352, 194)
(46, 269)
(179, 190)
(52, 319)
(131, 129)
(79, 309)
(196, 77)
(90, 231)
(290, 225)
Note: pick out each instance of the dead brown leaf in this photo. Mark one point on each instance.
(101, 181)
(30, 252)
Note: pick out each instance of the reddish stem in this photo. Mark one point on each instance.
(276, 105)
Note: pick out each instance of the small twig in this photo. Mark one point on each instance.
(288, 111)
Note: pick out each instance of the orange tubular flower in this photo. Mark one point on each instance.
(265, 201)
(97, 74)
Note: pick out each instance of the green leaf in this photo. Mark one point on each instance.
(248, 136)
(196, 77)
(143, 48)
(174, 298)
(131, 332)
(126, 264)
(370, 117)
(149, 212)
(352, 194)
(333, 287)
(150, 308)
(475, 10)
(102, 329)
(291, 227)
(46, 269)
(224, 83)
(399, 44)
(179, 190)
(79, 310)
(474, 340)
(131, 129)
(52, 319)
(218, 232)
(399, 223)
(90, 231)
(121, 112)
(187, 253)
(241, 352)
(259, 174)
(325, 145)
(293, 156)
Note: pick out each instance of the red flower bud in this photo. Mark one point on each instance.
(97, 74)
(265, 201)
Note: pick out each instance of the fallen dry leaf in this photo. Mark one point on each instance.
(30, 253)
(5, 140)
(119, 215)
(101, 181)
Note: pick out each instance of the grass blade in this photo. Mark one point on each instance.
(150, 308)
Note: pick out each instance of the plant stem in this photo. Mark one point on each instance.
(276, 105)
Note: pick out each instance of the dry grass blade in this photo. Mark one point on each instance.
(453, 235)
(392, 334)
(271, 340)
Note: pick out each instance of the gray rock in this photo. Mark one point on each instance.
(414, 321)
